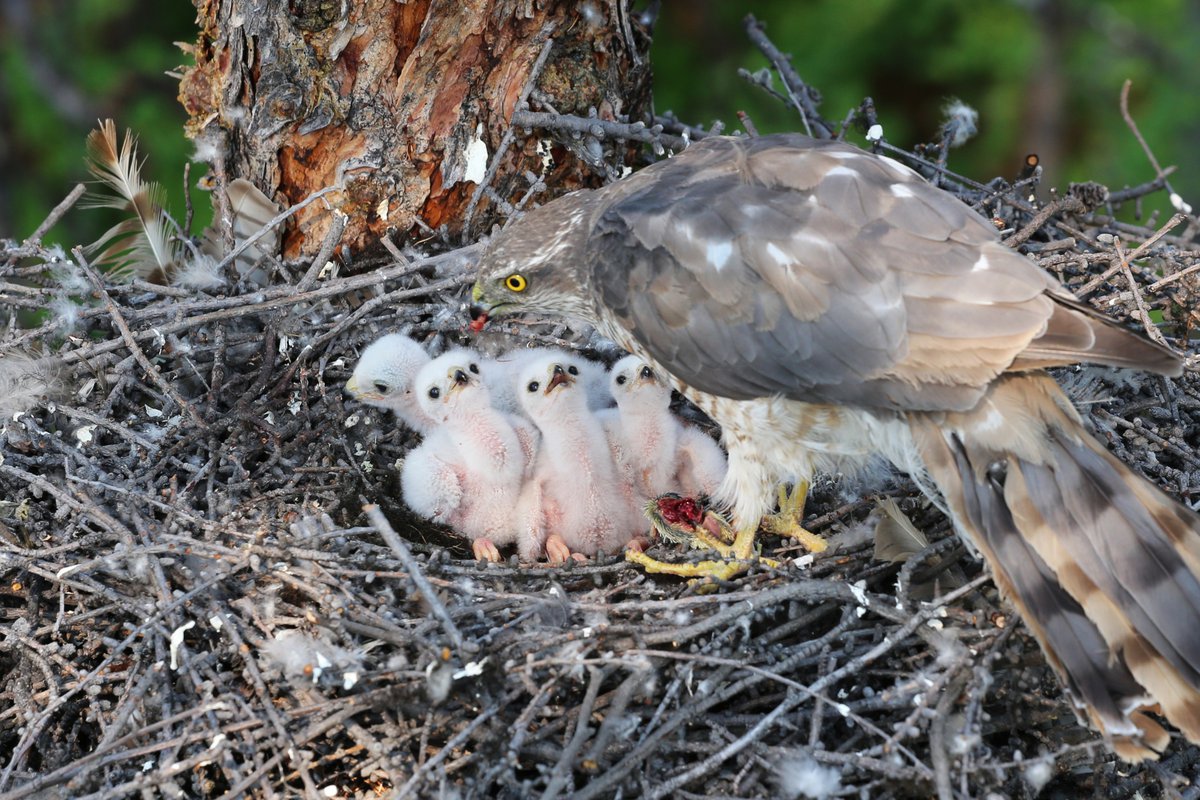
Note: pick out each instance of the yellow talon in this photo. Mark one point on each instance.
(684, 520)
(697, 570)
(787, 521)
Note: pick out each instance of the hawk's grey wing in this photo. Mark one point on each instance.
(814, 270)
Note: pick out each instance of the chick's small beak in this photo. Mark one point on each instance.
(460, 378)
(363, 394)
(559, 378)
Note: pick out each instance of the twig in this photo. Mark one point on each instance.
(1137, 134)
(1105, 276)
(729, 751)
(1143, 312)
(234, 252)
(1152, 240)
(189, 212)
(939, 751)
(277, 297)
(797, 89)
(565, 763)
(1067, 203)
(380, 523)
(131, 342)
(57, 213)
(1142, 189)
(1166, 444)
(1183, 273)
(419, 775)
(506, 140)
(334, 235)
(598, 128)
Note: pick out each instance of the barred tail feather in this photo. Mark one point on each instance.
(1102, 565)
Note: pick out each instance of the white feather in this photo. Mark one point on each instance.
(65, 312)
(799, 775)
(199, 273)
(961, 120)
(24, 382)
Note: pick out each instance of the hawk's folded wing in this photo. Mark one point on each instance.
(822, 273)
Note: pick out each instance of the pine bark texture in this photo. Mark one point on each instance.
(384, 98)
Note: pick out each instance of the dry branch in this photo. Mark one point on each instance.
(196, 496)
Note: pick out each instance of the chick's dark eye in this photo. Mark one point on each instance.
(647, 372)
(474, 368)
(435, 393)
(532, 387)
(574, 370)
(381, 387)
(621, 380)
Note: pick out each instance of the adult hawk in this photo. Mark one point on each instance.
(825, 305)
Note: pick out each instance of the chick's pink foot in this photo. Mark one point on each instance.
(485, 551)
(557, 551)
(638, 544)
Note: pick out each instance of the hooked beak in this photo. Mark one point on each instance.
(559, 378)
(479, 310)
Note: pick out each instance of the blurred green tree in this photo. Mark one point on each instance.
(1044, 74)
(67, 63)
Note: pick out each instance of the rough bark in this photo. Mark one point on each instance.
(384, 98)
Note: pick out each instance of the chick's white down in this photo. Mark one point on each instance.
(573, 504)
(576, 486)
(469, 470)
(654, 450)
(508, 367)
(384, 377)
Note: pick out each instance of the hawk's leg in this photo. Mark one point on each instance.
(787, 522)
(684, 520)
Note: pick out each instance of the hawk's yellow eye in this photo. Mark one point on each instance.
(516, 282)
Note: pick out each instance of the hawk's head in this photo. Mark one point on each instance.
(536, 266)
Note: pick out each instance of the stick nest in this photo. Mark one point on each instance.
(196, 604)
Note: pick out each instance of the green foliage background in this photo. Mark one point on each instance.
(1045, 76)
(63, 65)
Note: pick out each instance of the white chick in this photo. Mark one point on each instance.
(503, 373)
(384, 377)
(496, 379)
(469, 470)
(573, 504)
(654, 450)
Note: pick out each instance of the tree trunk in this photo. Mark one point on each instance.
(387, 100)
